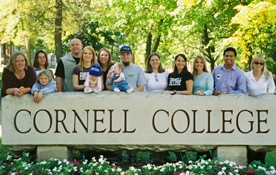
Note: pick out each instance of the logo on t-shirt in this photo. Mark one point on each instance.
(130, 75)
(175, 81)
(83, 75)
(218, 76)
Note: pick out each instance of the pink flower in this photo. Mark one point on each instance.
(250, 171)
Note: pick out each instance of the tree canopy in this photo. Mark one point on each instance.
(168, 27)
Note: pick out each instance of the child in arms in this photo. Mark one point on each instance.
(93, 81)
(118, 77)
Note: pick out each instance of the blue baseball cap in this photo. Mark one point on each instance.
(125, 49)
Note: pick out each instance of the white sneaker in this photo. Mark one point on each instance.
(130, 90)
(116, 90)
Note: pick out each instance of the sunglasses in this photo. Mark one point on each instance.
(258, 63)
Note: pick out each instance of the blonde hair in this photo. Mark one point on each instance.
(120, 66)
(204, 64)
(81, 64)
(264, 70)
(11, 65)
(44, 72)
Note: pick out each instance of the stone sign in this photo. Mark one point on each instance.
(139, 121)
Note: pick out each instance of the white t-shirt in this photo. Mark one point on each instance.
(156, 82)
(259, 87)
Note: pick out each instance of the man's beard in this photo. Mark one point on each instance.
(126, 64)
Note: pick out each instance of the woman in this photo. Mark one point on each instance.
(259, 78)
(203, 81)
(180, 80)
(155, 74)
(105, 61)
(81, 71)
(17, 78)
(41, 62)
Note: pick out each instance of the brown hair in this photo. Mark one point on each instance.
(148, 66)
(35, 64)
(109, 62)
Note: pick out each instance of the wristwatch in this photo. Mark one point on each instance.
(174, 92)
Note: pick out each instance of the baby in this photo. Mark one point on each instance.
(118, 77)
(44, 85)
(93, 81)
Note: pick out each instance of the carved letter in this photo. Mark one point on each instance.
(77, 116)
(194, 130)
(126, 131)
(96, 120)
(209, 123)
(188, 121)
(61, 121)
(224, 121)
(15, 123)
(110, 124)
(259, 121)
(50, 117)
(251, 122)
(153, 121)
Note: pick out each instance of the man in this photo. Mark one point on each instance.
(134, 74)
(66, 65)
(229, 79)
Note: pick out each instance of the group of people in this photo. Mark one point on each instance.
(81, 70)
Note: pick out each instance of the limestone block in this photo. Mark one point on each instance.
(138, 121)
(261, 148)
(57, 152)
(237, 154)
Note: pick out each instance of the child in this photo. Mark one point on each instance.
(93, 82)
(118, 77)
(44, 85)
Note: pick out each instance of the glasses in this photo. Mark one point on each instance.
(156, 78)
(258, 63)
(41, 57)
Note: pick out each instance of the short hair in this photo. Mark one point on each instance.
(109, 62)
(175, 71)
(44, 72)
(204, 64)
(264, 70)
(121, 66)
(230, 49)
(81, 63)
(148, 66)
(11, 65)
(35, 64)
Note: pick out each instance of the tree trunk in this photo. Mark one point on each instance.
(157, 42)
(148, 47)
(28, 50)
(58, 29)
(4, 54)
(208, 50)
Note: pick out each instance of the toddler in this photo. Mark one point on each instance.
(93, 81)
(44, 85)
(118, 77)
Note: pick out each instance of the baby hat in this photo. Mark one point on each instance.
(95, 70)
